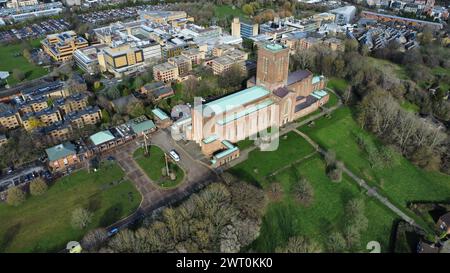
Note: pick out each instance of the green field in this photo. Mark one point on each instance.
(325, 214)
(291, 148)
(153, 165)
(390, 67)
(286, 218)
(402, 182)
(223, 11)
(10, 61)
(337, 84)
(332, 101)
(42, 223)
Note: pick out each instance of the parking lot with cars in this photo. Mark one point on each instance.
(18, 177)
(33, 31)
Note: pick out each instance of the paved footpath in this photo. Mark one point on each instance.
(371, 191)
(197, 176)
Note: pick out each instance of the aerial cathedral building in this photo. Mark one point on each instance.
(273, 98)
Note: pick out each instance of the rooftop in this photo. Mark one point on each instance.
(237, 99)
(101, 137)
(160, 114)
(60, 151)
(141, 124)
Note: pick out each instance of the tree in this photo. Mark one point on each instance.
(18, 74)
(248, 9)
(94, 238)
(106, 118)
(136, 109)
(113, 93)
(38, 187)
(139, 82)
(15, 196)
(35, 123)
(303, 192)
(336, 242)
(81, 218)
(300, 244)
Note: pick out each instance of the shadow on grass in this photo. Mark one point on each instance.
(111, 215)
(9, 236)
(94, 202)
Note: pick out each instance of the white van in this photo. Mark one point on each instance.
(174, 155)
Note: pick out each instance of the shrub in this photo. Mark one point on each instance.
(38, 187)
(15, 196)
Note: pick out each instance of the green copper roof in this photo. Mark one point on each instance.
(316, 79)
(160, 114)
(225, 153)
(210, 139)
(274, 47)
(142, 124)
(60, 151)
(101, 137)
(247, 111)
(235, 100)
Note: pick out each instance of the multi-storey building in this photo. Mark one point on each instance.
(10, 119)
(194, 54)
(244, 29)
(121, 60)
(273, 98)
(57, 132)
(183, 63)
(35, 104)
(21, 3)
(165, 72)
(61, 46)
(44, 117)
(89, 116)
(87, 58)
(75, 102)
(55, 89)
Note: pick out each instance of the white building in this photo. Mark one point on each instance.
(344, 15)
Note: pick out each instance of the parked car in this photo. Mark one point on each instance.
(174, 155)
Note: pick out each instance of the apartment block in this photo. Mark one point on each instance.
(61, 46)
(75, 102)
(89, 116)
(165, 72)
(183, 63)
(194, 54)
(87, 58)
(10, 119)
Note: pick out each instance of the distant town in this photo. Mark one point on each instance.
(256, 122)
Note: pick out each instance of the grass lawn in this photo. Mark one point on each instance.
(262, 163)
(402, 182)
(411, 107)
(42, 223)
(9, 62)
(332, 101)
(286, 218)
(337, 84)
(223, 11)
(244, 144)
(153, 165)
(390, 67)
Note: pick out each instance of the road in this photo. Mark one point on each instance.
(371, 191)
(9, 179)
(197, 176)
